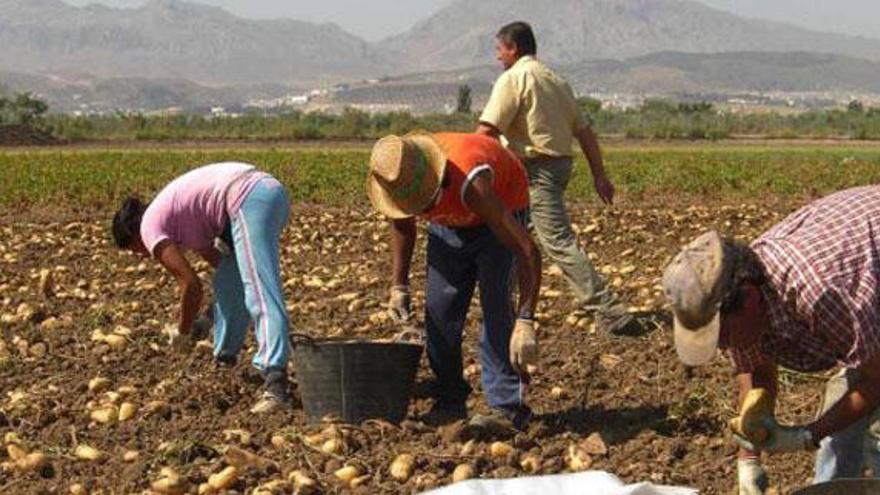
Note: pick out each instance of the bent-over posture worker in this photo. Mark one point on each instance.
(213, 210)
(803, 296)
(474, 194)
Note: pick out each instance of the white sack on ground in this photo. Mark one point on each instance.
(586, 483)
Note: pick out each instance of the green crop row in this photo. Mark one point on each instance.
(98, 178)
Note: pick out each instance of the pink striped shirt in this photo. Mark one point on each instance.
(823, 265)
(193, 209)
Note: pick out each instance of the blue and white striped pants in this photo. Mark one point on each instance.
(247, 285)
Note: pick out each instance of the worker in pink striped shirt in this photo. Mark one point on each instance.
(232, 215)
(803, 296)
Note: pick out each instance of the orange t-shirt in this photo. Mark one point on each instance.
(467, 155)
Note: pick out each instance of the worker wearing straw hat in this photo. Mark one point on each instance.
(474, 195)
(806, 296)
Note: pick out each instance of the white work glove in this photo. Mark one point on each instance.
(221, 247)
(201, 329)
(409, 335)
(751, 477)
(780, 438)
(400, 304)
(523, 346)
(181, 343)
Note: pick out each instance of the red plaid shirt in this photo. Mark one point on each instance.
(823, 265)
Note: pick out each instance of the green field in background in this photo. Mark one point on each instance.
(87, 178)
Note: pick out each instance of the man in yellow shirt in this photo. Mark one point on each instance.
(536, 111)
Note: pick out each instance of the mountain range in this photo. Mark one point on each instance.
(171, 51)
(174, 39)
(571, 31)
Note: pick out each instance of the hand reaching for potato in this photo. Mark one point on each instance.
(181, 343)
(757, 406)
(756, 428)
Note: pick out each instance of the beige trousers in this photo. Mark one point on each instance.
(548, 179)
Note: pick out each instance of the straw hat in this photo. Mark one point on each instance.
(405, 174)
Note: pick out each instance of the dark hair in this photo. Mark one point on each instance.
(746, 269)
(520, 34)
(127, 222)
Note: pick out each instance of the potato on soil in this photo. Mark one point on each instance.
(468, 448)
(98, 384)
(360, 480)
(47, 286)
(463, 472)
(241, 458)
(224, 479)
(302, 483)
(530, 464)
(11, 437)
(577, 459)
(402, 467)
(15, 452)
(87, 453)
(332, 447)
(243, 436)
(116, 342)
(33, 462)
(274, 487)
(279, 441)
(558, 393)
(500, 449)
(169, 483)
(347, 474)
(106, 414)
(127, 411)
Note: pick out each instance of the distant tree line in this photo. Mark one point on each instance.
(22, 119)
(351, 124)
(655, 119)
(662, 119)
(21, 109)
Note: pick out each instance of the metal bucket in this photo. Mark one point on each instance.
(843, 487)
(353, 381)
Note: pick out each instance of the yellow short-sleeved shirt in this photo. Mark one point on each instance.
(535, 109)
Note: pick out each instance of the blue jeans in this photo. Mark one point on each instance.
(459, 258)
(843, 454)
(247, 285)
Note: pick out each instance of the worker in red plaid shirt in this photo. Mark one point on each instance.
(803, 296)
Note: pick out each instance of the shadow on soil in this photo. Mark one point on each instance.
(645, 322)
(617, 425)
(620, 424)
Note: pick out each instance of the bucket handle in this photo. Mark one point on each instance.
(309, 340)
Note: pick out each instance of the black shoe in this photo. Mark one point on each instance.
(454, 393)
(444, 413)
(616, 320)
(225, 361)
(500, 422)
(271, 402)
(276, 396)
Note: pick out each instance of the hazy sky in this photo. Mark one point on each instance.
(375, 19)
